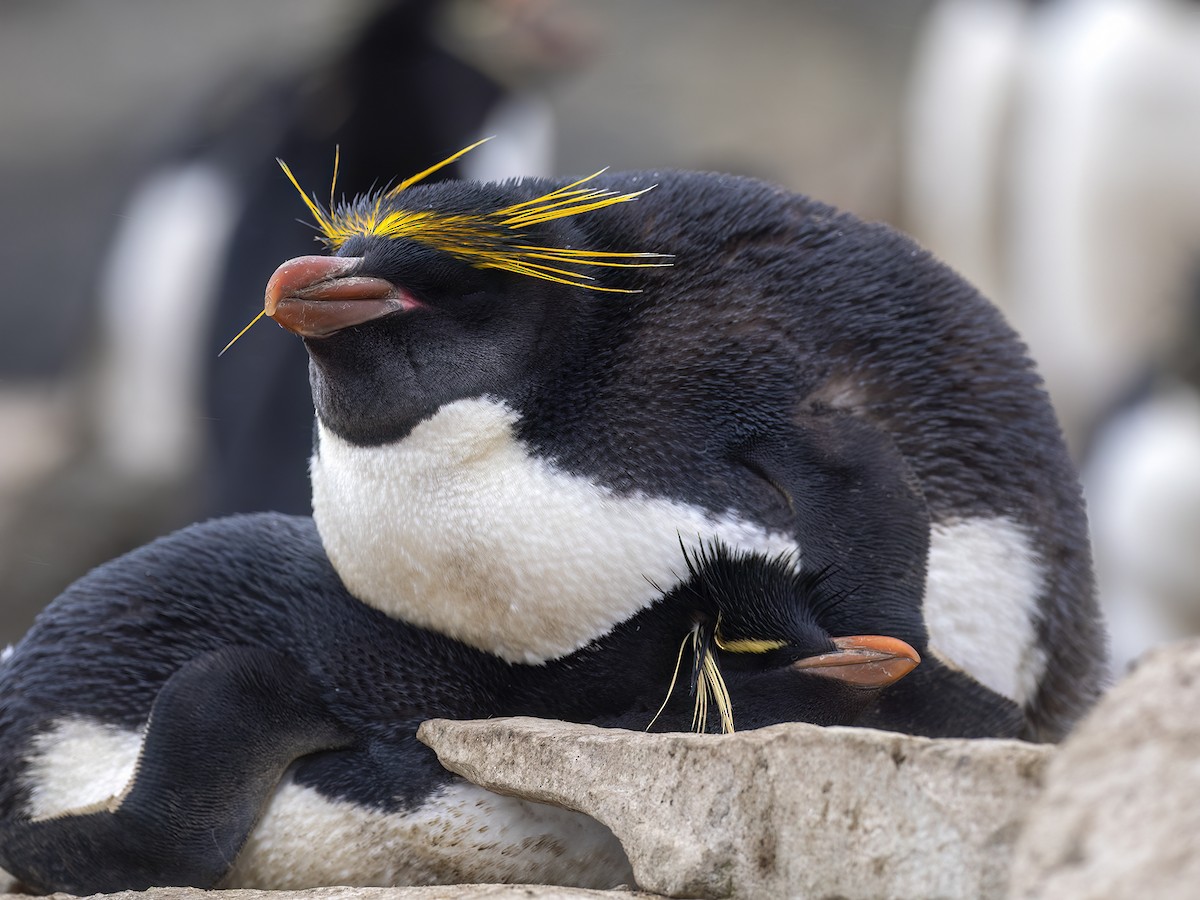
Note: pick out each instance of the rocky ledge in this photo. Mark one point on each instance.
(793, 810)
(799, 811)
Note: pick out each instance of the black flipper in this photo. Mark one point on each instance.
(861, 513)
(858, 514)
(221, 733)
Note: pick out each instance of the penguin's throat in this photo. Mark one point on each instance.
(460, 529)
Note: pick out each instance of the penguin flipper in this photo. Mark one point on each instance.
(861, 513)
(221, 733)
(858, 513)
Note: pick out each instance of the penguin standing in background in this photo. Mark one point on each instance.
(216, 709)
(534, 398)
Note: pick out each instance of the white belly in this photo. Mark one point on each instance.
(463, 834)
(458, 528)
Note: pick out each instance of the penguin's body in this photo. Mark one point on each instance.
(527, 452)
(517, 478)
(216, 708)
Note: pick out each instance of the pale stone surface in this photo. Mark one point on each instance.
(1120, 816)
(447, 892)
(787, 811)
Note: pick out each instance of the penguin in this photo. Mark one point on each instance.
(216, 709)
(528, 392)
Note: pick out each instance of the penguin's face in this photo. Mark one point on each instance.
(762, 650)
(439, 293)
(395, 330)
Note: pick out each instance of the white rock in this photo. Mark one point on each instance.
(1120, 816)
(787, 811)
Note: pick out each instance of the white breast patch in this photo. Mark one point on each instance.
(458, 528)
(981, 603)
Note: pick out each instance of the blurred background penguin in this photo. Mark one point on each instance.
(1050, 157)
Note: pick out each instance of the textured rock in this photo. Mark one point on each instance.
(792, 810)
(449, 892)
(1120, 816)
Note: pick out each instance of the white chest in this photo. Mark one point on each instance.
(459, 529)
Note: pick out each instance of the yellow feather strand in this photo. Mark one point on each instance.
(549, 203)
(674, 676)
(745, 645)
(583, 259)
(337, 158)
(575, 281)
(409, 182)
(237, 336)
(546, 215)
(720, 692)
(486, 241)
(700, 713)
(600, 254)
(313, 207)
(535, 271)
(551, 270)
(552, 206)
(559, 193)
(709, 685)
(561, 208)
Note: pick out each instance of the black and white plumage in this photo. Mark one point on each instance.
(516, 472)
(215, 708)
(512, 460)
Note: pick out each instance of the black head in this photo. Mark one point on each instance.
(743, 642)
(446, 291)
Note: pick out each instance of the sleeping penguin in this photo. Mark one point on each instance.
(655, 450)
(534, 398)
(216, 709)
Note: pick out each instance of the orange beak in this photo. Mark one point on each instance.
(314, 297)
(864, 660)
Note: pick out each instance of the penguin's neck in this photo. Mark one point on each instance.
(460, 528)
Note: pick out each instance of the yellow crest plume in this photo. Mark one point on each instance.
(492, 240)
(707, 685)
